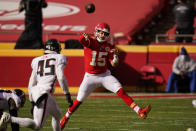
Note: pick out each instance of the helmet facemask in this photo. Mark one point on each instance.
(102, 36)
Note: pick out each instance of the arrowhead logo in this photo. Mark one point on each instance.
(9, 10)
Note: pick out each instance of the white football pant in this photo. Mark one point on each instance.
(47, 107)
(92, 81)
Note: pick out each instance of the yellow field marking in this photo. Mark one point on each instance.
(7, 49)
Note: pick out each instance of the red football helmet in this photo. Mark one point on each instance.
(102, 32)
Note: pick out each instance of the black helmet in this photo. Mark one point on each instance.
(52, 45)
(21, 94)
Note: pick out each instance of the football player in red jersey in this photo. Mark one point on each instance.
(97, 52)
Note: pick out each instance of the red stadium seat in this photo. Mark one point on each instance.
(147, 77)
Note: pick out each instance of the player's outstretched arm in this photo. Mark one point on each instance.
(85, 40)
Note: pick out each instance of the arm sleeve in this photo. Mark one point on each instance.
(61, 77)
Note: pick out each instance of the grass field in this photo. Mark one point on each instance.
(111, 114)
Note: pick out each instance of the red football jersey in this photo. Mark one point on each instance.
(96, 55)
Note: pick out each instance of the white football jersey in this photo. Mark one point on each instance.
(46, 70)
(5, 95)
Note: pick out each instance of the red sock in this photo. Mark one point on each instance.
(75, 106)
(128, 100)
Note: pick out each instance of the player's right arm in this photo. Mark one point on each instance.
(85, 40)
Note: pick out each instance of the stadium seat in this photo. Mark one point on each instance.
(147, 77)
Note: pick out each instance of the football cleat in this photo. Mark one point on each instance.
(5, 118)
(144, 112)
(194, 103)
(64, 122)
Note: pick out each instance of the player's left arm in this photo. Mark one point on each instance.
(13, 112)
(115, 61)
(63, 82)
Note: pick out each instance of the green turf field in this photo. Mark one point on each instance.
(111, 114)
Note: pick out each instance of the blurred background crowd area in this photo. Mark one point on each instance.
(132, 22)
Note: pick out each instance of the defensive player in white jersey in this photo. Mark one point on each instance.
(10, 100)
(98, 52)
(46, 70)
